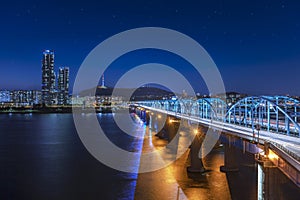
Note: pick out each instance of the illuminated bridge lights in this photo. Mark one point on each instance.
(278, 114)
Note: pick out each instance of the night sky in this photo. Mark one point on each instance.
(255, 44)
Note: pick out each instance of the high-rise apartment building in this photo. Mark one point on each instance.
(48, 78)
(63, 86)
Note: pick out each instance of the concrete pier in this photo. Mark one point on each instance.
(195, 159)
(231, 155)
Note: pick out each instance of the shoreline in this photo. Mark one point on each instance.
(50, 111)
(60, 110)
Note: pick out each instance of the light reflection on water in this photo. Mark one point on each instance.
(41, 157)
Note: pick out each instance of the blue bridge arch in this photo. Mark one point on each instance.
(278, 114)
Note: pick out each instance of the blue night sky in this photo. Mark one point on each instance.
(255, 44)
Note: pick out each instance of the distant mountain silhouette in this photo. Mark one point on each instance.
(142, 93)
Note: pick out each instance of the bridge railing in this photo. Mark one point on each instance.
(272, 114)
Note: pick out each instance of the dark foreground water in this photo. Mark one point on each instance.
(41, 157)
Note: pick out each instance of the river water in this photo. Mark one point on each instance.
(42, 157)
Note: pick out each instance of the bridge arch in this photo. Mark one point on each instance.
(272, 113)
(206, 108)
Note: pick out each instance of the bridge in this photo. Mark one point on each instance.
(272, 122)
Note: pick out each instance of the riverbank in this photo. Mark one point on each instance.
(47, 110)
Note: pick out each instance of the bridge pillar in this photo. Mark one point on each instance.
(231, 155)
(195, 150)
(172, 135)
(269, 181)
(171, 125)
(273, 183)
(147, 117)
(158, 125)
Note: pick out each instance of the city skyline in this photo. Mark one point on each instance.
(255, 46)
